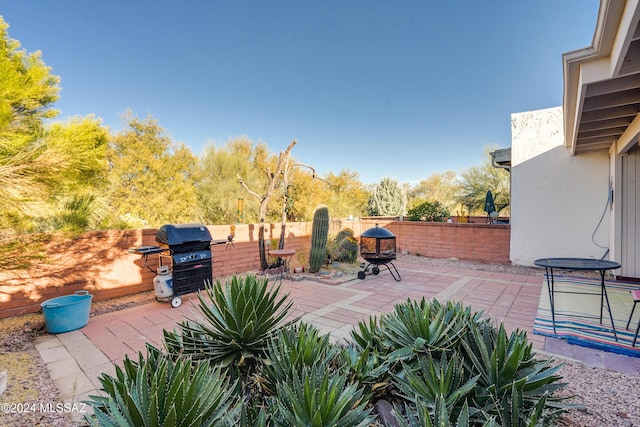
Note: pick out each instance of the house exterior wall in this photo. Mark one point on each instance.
(557, 200)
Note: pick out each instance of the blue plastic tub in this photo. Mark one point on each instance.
(68, 313)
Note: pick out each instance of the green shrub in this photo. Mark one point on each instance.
(428, 211)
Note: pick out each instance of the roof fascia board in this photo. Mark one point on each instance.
(577, 76)
(595, 71)
(629, 137)
(624, 35)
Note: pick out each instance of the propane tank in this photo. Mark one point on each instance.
(163, 283)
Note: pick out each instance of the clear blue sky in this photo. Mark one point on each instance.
(401, 89)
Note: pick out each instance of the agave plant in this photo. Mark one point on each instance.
(367, 368)
(160, 391)
(513, 385)
(239, 318)
(423, 327)
(440, 386)
(416, 327)
(248, 415)
(295, 348)
(319, 398)
(419, 416)
(369, 334)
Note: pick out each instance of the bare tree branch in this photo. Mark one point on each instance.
(314, 174)
(253, 193)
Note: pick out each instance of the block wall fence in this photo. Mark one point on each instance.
(101, 263)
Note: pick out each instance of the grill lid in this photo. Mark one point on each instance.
(378, 233)
(178, 234)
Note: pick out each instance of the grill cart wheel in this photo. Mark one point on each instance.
(361, 275)
(375, 270)
(176, 302)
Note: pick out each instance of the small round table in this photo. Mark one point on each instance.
(587, 264)
(284, 260)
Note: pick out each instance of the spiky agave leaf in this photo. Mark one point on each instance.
(427, 326)
(419, 416)
(366, 367)
(369, 333)
(294, 348)
(319, 398)
(511, 378)
(163, 391)
(239, 318)
(436, 382)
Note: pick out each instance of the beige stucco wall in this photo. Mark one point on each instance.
(557, 199)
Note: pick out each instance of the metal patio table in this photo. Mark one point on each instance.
(586, 264)
(284, 261)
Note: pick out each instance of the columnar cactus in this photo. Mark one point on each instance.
(319, 235)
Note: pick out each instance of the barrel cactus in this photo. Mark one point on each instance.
(319, 235)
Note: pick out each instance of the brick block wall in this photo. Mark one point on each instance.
(484, 243)
(100, 262)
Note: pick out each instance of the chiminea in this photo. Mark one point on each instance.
(378, 247)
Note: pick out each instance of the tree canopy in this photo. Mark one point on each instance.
(151, 177)
(438, 187)
(477, 180)
(48, 173)
(388, 198)
(218, 187)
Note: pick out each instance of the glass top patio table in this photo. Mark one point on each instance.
(587, 264)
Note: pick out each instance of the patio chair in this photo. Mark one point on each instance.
(636, 299)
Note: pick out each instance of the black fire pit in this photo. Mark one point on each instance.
(378, 247)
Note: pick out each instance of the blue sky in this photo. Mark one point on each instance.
(402, 89)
